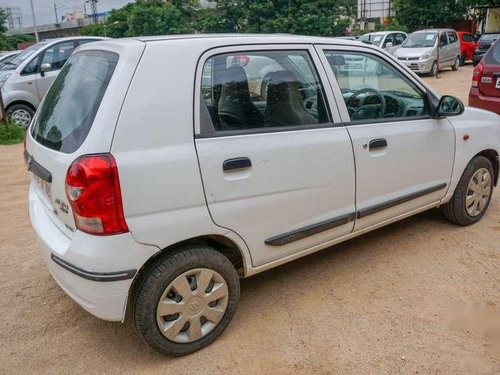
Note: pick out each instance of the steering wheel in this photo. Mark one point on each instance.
(367, 111)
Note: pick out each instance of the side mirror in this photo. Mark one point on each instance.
(45, 67)
(388, 45)
(449, 106)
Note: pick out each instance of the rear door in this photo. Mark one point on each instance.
(489, 84)
(276, 163)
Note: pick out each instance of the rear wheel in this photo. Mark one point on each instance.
(473, 193)
(20, 115)
(186, 300)
(456, 64)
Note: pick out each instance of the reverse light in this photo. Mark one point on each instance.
(93, 191)
(477, 74)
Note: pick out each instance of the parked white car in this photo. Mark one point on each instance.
(160, 176)
(25, 79)
(389, 41)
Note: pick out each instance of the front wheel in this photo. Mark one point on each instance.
(186, 300)
(456, 64)
(473, 193)
(434, 69)
(462, 60)
(20, 115)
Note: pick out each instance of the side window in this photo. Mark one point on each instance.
(373, 89)
(388, 39)
(452, 37)
(81, 42)
(443, 40)
(57, 55)
(467, 38)
(400, 38)
(32, 67)
(261, 89)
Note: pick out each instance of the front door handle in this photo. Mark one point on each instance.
(236, 163)
(377, 143)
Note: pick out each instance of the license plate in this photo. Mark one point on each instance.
(498, 83)
(44, 186)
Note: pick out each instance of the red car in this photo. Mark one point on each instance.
(467, 46)
(485, 90)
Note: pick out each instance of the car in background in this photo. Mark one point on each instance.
(387, 40)
(346, 37)
(483, 44)
(485, 90)
(419, 52)
(467, 46)
(26, 78)
(5, 57)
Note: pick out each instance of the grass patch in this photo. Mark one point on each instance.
(10, 134)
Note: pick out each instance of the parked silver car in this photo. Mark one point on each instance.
(5, 57)
(389, 41)
(26, 78)
(419, 52)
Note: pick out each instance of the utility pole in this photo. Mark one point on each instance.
(34, 21)
(55, 12)
(93, 9)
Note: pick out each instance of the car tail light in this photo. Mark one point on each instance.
(477, 74)
(93, 191)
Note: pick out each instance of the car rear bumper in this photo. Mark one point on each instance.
(95, 271)
(490, 103)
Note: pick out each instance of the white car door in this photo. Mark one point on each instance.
(277, 165)
(404, 158)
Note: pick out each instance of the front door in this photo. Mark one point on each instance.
(56, 56)
(404, 158)
(276, 163)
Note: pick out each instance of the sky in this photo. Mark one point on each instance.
(44, 9)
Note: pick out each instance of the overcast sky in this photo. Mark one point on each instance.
(44, 9)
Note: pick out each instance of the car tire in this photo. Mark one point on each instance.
(434, 69)
(459, 210)
(462, 60)
(164, 286)
(456, 64)
(20, 114)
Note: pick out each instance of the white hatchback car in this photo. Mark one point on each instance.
(161, 173)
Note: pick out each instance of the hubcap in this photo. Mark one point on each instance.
(21, 117)
(192, 305)
(478, 192)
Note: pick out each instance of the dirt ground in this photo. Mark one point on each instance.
(411, 298)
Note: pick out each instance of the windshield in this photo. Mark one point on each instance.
(69, 108)
(18, 60)
(420, 40)
(372, 38)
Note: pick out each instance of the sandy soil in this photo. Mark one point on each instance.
(388, 302)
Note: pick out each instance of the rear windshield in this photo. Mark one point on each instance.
(69, 108)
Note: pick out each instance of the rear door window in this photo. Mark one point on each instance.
(72, 101)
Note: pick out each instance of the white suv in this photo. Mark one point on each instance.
(165, 168)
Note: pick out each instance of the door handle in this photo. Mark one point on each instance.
(236, 163)
(377, 143)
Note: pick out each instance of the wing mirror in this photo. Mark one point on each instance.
(388, 45)
(45, 67)
(449, 106)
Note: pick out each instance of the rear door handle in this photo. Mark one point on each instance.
(377, 143)
(236, 163)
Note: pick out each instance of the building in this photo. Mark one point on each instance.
(374, 12)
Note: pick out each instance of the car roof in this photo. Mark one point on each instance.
(60, 39)
(432, 30)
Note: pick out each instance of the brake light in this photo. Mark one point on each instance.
(477, 74)
(93, 191)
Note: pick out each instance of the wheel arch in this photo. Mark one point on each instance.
(222, 244)
(493, 157)
(23, 102)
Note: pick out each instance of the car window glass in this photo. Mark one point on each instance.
(452, 37)
(58, 54)
(81, 42)
(389, 39)
(399, 39)
(374, 89)
(443, 40)
(32, 67)
(261, 89)
(467, 38)
(419, 40)
(493, 55)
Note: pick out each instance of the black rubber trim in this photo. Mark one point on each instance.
(378, 143)
(236, 163)
(94, 276)
(394, 202)
(310, 230)
(36, 168)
